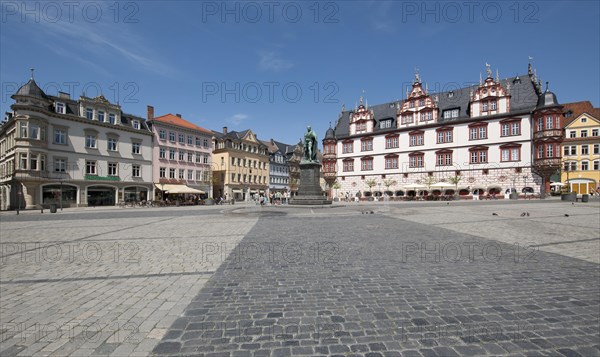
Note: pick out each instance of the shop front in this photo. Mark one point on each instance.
(135, 194)
(101, 196)
(63, 196)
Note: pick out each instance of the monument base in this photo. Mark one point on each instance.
(309, 190)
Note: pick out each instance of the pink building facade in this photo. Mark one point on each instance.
(181, 155)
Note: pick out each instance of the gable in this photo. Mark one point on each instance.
(590, 121)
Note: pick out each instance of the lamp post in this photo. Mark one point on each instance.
(61, 194)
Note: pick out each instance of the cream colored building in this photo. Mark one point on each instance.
(240, 165)
(581, 148)
(85, 152)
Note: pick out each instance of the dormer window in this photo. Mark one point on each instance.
(89, 113)
(59, 108)
(451, 113)
(421, 102)
(451, 94)
(101, 116)
(136, 124)
(385, 124)
(112, 118)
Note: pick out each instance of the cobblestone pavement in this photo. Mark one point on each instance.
(417, 280)
(409, 279)
(104, 282)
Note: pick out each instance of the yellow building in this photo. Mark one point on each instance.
(581, 147)
(240, 165)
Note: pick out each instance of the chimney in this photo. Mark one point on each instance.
(224, 130)
(63, 95)
(150, 112)
(178, 115)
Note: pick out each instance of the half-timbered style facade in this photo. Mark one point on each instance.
(473, 141)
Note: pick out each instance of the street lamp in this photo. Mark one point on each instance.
(61, 194)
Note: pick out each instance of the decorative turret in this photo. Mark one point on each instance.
(547, 136)
(31, 93)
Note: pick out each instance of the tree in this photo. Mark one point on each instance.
(370, 183)
(336, 186)
(430, 180)
(455, 180)
(389, 182)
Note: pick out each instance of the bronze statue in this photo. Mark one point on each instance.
(310, 145)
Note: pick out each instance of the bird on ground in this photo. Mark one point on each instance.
(494, 214)
(527, 214)
(566, 215)
(523, 214)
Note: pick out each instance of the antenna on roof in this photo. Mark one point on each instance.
(32, 69)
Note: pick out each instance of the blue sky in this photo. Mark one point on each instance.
(278, 66)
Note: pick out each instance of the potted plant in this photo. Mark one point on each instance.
(567, 194)
(336, 186)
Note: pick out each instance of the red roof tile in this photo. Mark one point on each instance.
(177, 121)
(579, 108)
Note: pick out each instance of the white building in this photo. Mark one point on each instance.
(481, 134)
(84, 152)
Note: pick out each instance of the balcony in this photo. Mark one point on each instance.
(553, 133)
(331, 156)
(329, 174)
(547, 166)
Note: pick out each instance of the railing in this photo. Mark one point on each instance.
(548, 133)
(552, 162)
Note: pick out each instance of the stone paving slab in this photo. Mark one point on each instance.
(98, 283)
(376, 285)
(311, 281)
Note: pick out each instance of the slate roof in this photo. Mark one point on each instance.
(31, 89)
(523, 93)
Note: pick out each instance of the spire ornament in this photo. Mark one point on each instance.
(488, 70)
(32, 69)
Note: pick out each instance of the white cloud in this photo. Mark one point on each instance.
(272, 61)
(100, 38)
(237, 119)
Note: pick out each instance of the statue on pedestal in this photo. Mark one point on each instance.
(310, 145)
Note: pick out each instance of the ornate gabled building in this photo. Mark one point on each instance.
(240, 165)
(85, 152)
(486, 136)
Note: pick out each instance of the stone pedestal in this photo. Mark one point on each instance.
(309, 191)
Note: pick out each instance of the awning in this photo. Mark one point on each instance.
(170, 188)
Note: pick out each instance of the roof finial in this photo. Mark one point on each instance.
(529, 67)
(488, 70)
(426, 89)
(417, 77)
(343, 107)
(546, 86)
(32, 69)
(497, 75)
